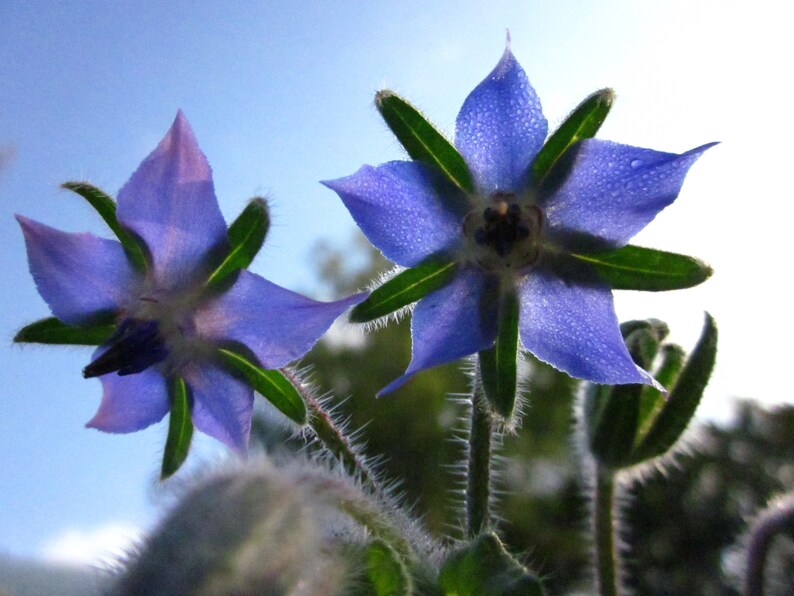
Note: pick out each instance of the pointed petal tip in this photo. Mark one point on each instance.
(395, 384)
(180, 119)
(705, 147)
(27, 224)
(342, 183)
(184, 134)
(101, 423)
(506, 64)
(32, 229)
(648, 379)
(330, 183)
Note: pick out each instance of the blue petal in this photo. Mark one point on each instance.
(222, 405)
(570, 323)
(78, 275)
(277, 325)
(131, 402)
(454, 321)
(614, 190)
(170, 203)
(501, 128)
(404, 208)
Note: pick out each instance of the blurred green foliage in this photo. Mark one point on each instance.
(682, 522)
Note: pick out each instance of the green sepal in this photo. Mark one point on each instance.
(498, 367)
(583, 123)
(651, 399)
(648, 269)
(386, 572)
(421, 139)
(271, 384)
(404, 289)
(53, 331)
(180, 429)
(684, 398)
(484, 568)
(643, 339)
(106, 207)
(612, 413)
(246, 235)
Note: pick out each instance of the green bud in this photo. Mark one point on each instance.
(629, 424)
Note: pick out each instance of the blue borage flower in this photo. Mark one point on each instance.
(169, 323)
(515, 232)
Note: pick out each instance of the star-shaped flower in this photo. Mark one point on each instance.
(510, 232)
(170, 323)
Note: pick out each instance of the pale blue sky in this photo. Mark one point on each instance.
(280, 96)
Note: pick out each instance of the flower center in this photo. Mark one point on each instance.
(157, 328)
(135, 346)
(504, 235)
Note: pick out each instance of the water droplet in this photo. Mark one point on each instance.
(636, 163)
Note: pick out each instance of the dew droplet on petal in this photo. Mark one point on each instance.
(636, 163)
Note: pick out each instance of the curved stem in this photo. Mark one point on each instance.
(777, 518)
(607, 557)
(333, 437)
(478, 484)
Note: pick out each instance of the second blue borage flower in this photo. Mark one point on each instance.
(504, 230)
(183, 326)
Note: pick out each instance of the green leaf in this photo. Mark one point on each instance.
(421, 139)
(386, 571)
(684, 397)
(638, 268)
(403, 289)
(106, 207)
(180, 430)
(498, 364)
(583, 123)
(271, 384)
(52, 331)
(246, 235)
(484, 568)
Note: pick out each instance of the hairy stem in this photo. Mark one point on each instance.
(478, 488)
(332, 436)
(607, 557)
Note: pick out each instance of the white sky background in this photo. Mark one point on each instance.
(281, 97)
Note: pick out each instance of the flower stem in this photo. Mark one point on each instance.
(607, 557)
(478, 488)
(332, 436)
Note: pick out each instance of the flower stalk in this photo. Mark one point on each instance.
(332, 437)
(478, 481)
(605, 528)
